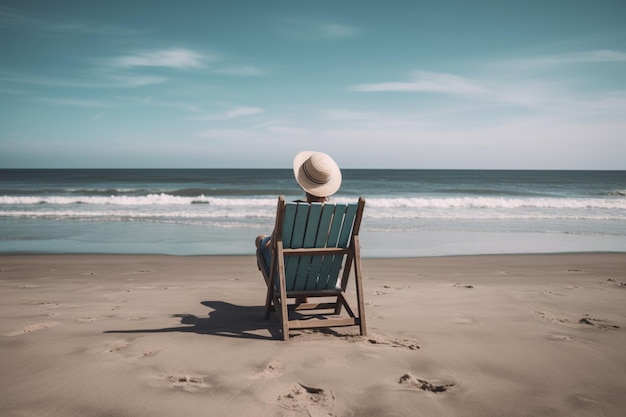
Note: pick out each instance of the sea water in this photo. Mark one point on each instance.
(221, 211)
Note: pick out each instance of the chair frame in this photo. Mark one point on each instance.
(345, 256)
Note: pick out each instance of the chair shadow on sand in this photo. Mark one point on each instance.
(226, 319)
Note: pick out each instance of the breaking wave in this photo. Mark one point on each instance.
(382, 203)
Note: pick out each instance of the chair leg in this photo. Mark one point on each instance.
(359, 288)
(268, 305)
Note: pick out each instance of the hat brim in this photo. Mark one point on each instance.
(311, 187)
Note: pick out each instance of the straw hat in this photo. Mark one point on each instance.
(317, 173)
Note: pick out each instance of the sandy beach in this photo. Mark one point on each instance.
(140, 335)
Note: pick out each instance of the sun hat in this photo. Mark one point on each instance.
(317, 173)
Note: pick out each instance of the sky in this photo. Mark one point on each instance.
(375, 84)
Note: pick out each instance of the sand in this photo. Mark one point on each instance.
(509, 335)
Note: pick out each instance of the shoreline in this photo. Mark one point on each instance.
(247, 255)
(162, 335)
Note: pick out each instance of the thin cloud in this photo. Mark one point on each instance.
(345, 114)
(310, 30)
(427, 82)
(136, 80)
(169, 58)
(152, 102)
(111, 81)
(287, 130)
(243, 111)
(232, 134)
(242, 71)
(334, 30)
(73, 102)
(98, 116)
(233, 114)
(15, 20)
(595, 56)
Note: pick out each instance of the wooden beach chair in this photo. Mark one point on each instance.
(315, 247)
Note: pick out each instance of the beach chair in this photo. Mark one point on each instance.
(315, 247)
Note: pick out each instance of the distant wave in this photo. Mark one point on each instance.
(147, 200)
(506, 203)
(617, 193)
(498, 203)
(253, 211)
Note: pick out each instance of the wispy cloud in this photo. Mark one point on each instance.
(98, 116)
(111, 81)
(595, 56)
(126, 80)
(287, 130)
(152, 102)
(345, 114)
(242, 111)
(102, 81)
(427, 82)
(315, 30)
(243, 71)
(233, 113)
(15, 20)
(78, 102)
(334, 30)
(178, 58)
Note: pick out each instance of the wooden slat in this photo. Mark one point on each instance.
(330, 322)
(344, 238)
(314, 306)
(335, 228)
(304, 268)
(321, 243)
(330, 281)
(314, 293)
(316, 251)
(300, 213)
(346, 227)
(319, 240)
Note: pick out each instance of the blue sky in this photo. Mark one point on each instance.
(393, 84)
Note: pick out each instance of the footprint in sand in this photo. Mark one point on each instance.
(598, 323)
(272, 369)
(552, 318)
(87, 319)
(189, 383)
(614, 283)
(308, 399)
(373, 339)
(463, 320)
(388, 289)
(412, 382)
(118, 345)
(582, 323)
(48, 304)
(396, 343)
(560, 338)
(33, 328)
(151, 351)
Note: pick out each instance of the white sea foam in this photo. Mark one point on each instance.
(147, 200)
(254, 211)
(617, 193)
(385, 203)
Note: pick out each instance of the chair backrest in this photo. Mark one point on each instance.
(317, 226)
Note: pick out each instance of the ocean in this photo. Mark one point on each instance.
(221, 211)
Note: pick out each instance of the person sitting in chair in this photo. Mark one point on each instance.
(319, 176)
